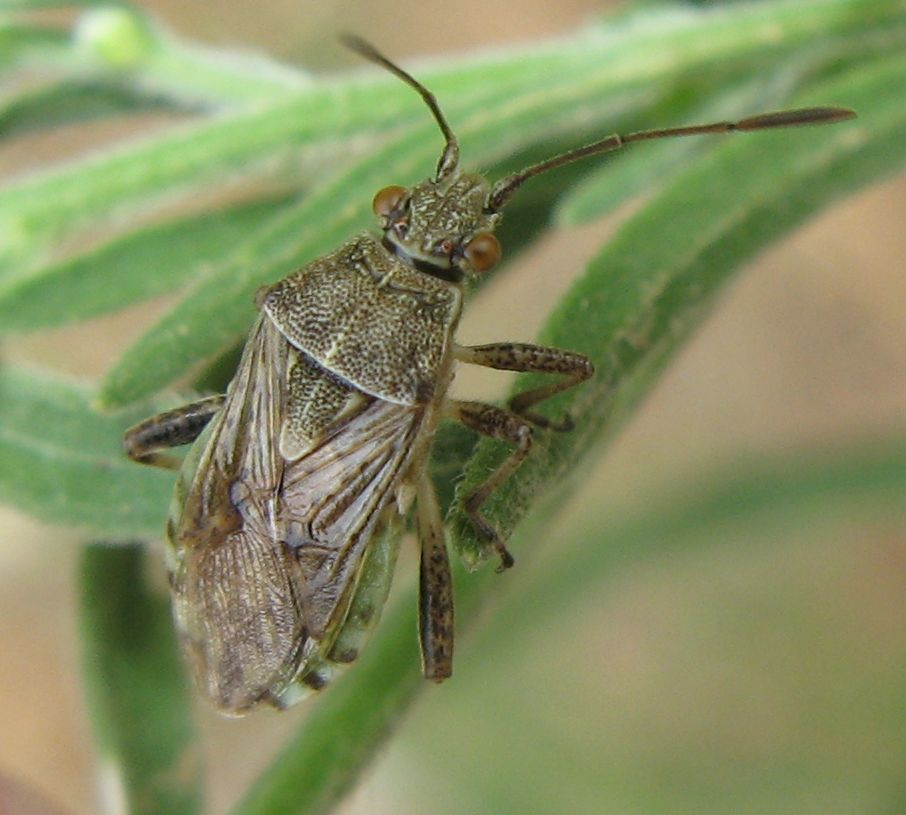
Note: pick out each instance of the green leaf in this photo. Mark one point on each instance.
(122, 41)
(71, 101)
(785, 532)
(64, 463)
(637, 56)
(38, 212)
(361, 710)
(777, 189)
(641, 297)
(22, 42)
(216, 313)
(138, 696)
(784, 492)
(142, 265)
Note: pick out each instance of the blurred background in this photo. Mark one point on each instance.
(760, 670)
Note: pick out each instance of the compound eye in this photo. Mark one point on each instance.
(388, 201)
(482, 252)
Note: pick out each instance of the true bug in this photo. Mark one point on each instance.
(277, 558)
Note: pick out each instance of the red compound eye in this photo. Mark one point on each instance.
(483, 252)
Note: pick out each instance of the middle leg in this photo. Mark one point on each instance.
(498, 424)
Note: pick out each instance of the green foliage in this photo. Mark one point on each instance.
(138, 696)
(98, 232)
(132, 268)
(640, 298)
(62, 460)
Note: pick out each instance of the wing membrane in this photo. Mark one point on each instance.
(332, 499)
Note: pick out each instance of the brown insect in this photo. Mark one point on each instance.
(280, 549)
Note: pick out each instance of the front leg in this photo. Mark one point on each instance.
(144, 441)
(523, 357)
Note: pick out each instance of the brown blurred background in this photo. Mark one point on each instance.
(807, 348)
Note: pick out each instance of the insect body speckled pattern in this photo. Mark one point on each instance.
(281, 539)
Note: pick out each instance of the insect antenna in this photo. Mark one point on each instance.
(503, 190)
(449, 159)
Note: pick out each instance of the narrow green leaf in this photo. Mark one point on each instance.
(194, 74)
(38, 212)
(138, 696)
(792, 491)
(345, 730)
(63, 463)
(68, 102)
(651, 48)
(316, 768)
(19, 42)
(755, 508)
(34, 5)
(122, 41)
(113, 47)
(144, 264)
(649, 287)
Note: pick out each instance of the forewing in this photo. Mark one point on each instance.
(332, 500)
(271, 549)
(236, 589)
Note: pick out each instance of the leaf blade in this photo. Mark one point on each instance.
(640, 298)
(138, 694)
(63, 462)
(217, 312)
(141, 265)
(36, 215)
(367, 702)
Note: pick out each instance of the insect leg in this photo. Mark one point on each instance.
(144, 441)
(517, 356)
(435, 602)
(506, 426)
